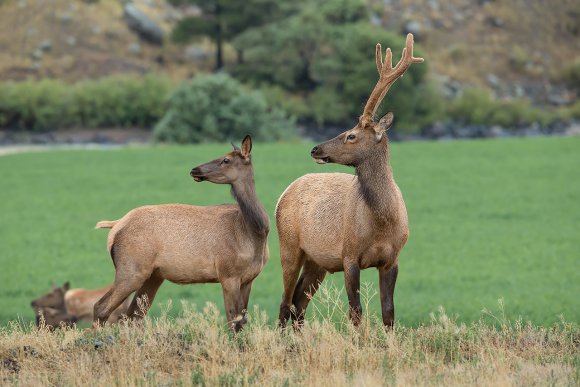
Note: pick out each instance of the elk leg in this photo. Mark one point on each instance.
(310, 280)
(108, 303)
(245, 290)
(352, 284)
(125, 284)
(233, 303)
(387, 280)
(149, 289)
(291, 264)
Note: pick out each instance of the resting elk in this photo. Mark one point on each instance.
(331, 222)
(63, 304)
(188, 244)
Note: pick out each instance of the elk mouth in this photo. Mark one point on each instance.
(196, 175)
(322, 160)
(199, 178)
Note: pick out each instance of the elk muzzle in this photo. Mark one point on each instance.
(197, 174)
(318, 155)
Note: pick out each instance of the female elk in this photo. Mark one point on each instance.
(189, 244)
(329, 222)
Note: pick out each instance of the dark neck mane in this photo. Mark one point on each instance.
(253, 213)
(376, 181)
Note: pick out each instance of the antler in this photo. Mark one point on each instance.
(388, 75)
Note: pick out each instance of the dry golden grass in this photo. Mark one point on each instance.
(88, 40)
(197, 349)
(541, 37)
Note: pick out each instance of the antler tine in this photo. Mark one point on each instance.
(379, 58)
(388, 75)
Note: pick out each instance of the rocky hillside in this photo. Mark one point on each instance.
(514, 47)
(83, 39)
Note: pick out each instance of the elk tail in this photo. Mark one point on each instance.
(106, 224)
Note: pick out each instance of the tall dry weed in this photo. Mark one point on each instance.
(198, 349)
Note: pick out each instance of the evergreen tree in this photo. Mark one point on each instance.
(222, 20)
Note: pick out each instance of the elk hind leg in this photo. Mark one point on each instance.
(126, 282)
(245, 290)
(291, 264)
(310, 280)
(148, 290)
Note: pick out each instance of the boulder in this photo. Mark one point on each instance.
(436, 131)
(142, 24)
(195, 53)
(414, 27)
(134, 48)
(45, 45)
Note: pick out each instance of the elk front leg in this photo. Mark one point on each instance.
(352, 284)
(387, 280)
(233, 303)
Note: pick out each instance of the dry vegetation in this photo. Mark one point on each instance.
(515, 40)
(87, 40)
(196, 349)
(464, 40)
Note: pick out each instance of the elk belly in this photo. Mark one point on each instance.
(377, 255)
(188, 270)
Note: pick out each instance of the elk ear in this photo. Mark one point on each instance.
(246, 146)
(384, 125)
(236, 148)
(66, 286)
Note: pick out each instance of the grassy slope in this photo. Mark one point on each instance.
(197, 350)
(489, 220)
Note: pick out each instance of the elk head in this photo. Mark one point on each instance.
(52, 300)
(227, 169)
(357, 144)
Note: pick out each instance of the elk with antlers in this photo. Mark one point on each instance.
(190, 244)
(330, 222)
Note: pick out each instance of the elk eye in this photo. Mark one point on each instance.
(350, 137)
(226, 161)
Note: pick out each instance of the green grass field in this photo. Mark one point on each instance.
(489, 220)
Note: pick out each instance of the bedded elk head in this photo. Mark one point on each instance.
(357, 144)
(227, 169)
(52, 300)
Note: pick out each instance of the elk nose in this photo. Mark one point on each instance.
(313, 151)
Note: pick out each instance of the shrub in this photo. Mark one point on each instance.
(569, 113)
(121, 101)
(519, 58)
(477, 106)
(37, 106)
(571, 74)
(473, 107)
(118, 101)
(218, 108)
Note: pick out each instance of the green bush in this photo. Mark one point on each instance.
(119, 101)
(569, 113)
(476, 106)
(213, 108)
(571, 74)
(30, 105)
